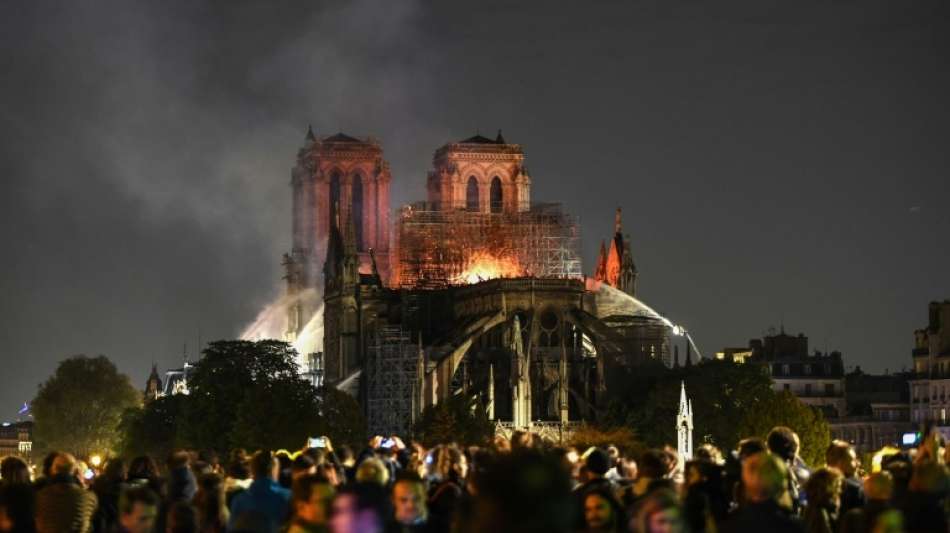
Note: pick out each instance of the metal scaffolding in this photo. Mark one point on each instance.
(392, 382)
(434, 247)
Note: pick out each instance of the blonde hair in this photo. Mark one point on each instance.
(372, 470)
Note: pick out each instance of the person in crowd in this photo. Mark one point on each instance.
(372, 470)
(841, 455)
(522, 491)
(705, 503)
(143, 472)
(211, 460)
(652, 469)
(594, 472)
(182, 517)
(659, 512)
(924, 509)
(238, 476)
(138, 510)
(303, 465)
(211, 504)
(823, 494)
(17, 494)
(360, 508)
(312, 498)
(708, 452)
(879, 489)
(181, 480)
(764, 482)
(783, 443)
(108, 486)
(63, 505)
(265, 502)
(602, 511)
(410, 514)
(451, 468)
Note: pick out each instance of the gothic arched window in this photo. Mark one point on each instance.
(471, 194)
(356, 201)
(334, 197)
(495, 196)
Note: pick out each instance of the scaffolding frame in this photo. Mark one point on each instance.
(434, 247)
(391, 383)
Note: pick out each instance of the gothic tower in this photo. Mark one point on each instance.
(336, 178)
(480, 174)
(684, 426)
(615, 265)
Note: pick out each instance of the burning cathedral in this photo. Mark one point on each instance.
(476, 290)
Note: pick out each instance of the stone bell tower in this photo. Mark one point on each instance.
(336, 178)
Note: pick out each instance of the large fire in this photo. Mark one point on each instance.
(482, 266)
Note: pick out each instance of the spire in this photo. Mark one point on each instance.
(600, 272)
(499, 139)
(310, 136)
(617, 225)
(684, 406)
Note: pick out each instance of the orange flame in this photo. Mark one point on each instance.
(483, 266)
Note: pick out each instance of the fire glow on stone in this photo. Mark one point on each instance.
(483, 266)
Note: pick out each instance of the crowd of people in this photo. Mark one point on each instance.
(517, 485)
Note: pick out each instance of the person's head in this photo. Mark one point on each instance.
(602, 511)
(522, 440)
(653, 464)
(63, 465)
(264, 466)
(14, 470)
(628, 468)
(48, 463)
(409, 499)
(764, 477)
(143, 467)
(182, 517)
(178, 459)
(750, 446)
(879, 486)
(596, 462)
(372, 470)
(449, 462)
(840, 454)
(782, 442)
(360, 508)
(929, 478)
(823, 488)
(138, 508)
(115, 471)
(659, 513)
(312, 499)
(708, 452)
(302, 466)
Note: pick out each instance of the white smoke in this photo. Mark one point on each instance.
(271, 323)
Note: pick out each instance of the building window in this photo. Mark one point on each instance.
(357, 203)
(471, 194)
(334, 197)
(786, 387)
(495, 197)
(807, 370)
(830, 389)
(785, 370)
(808, 389)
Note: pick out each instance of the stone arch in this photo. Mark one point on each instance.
(471, 194)
(496, 196)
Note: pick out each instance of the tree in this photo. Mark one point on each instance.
(341, 418)
(784, 409)
(79, 408)
(722, 392)
(459, 419)
(153, 430)
(240, 384)
(622, 437)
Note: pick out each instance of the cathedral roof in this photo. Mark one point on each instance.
(342, 138)
(478, 139)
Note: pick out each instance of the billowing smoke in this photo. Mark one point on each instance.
(271, 323)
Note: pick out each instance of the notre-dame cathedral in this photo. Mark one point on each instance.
(475, 291)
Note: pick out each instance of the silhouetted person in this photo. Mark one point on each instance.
(63, 505)
(841, 455)
(764, 481)
(265, 502)
(137, 510)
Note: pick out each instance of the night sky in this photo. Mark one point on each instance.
(777, 162)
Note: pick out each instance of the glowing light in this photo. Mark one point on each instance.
(483, 266)
(95, 461)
